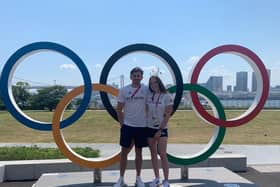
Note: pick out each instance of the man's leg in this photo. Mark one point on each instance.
(138, 160)
(140, 141)
(123, 161)
(125, 142)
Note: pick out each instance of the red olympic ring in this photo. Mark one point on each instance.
(261, 94)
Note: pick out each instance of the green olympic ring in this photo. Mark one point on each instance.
(219, 133)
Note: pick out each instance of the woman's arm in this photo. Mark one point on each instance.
(167, 113)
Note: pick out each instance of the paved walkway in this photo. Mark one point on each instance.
(256, 154)
(263, 160)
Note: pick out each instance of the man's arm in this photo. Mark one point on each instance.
(120, 112)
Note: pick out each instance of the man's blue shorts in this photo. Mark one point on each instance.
(136, 134)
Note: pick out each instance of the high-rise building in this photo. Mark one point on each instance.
(269, 74)
(215, 83)
(254, 80)
(229, 88)
(241, 81)
(115, 85)
(121, 81)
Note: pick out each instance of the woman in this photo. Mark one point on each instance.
(159, 108)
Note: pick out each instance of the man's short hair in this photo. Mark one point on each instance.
(136, 69)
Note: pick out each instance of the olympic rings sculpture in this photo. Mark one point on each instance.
(219, 119)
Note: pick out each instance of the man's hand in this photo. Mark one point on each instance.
(120, 114)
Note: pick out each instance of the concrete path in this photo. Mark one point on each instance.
(263, 160)
(256, 154)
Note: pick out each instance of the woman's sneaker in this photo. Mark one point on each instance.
(120, 183)
(165, 184)
(139, 182)
(155, 183)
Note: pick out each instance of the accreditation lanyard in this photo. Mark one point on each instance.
(153, 97)
(135, 92)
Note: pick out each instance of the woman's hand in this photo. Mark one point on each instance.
(157, 135)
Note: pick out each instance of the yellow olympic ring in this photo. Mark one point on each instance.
(58, 136)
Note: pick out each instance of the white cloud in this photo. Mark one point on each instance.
(191, 62)
(149, 68)
(134, 60)
(185, 75)
(67, 66)
(218, 71)
(152, 70)
(98, 65)
(188, 67)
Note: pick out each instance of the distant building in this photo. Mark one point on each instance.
(254, 80)
(121, 81)
(215, 83)
(115, 85)
(241, 81)
(229, 88)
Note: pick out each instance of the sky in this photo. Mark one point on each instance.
(95, 30)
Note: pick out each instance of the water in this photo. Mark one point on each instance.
(235, 103)
(248, 102)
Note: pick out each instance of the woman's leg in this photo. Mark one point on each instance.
(162, 152)
(153, 148)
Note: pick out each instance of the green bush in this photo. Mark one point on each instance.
(37, 153)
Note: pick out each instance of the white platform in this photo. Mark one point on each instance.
(33, 169)
(2, 173)
(198, 177)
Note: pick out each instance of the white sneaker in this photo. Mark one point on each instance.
(139, 182)
(155, 183)
(165, 184)
(120, 183)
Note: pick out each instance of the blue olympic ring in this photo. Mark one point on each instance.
(6, 90)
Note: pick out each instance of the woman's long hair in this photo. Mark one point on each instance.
(162, 88)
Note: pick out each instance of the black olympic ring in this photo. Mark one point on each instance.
(167, 59)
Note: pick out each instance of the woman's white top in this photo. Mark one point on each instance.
(157, 103)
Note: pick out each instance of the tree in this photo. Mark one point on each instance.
(2, 106)
(21, 94)
(77, 102)
(48, 97)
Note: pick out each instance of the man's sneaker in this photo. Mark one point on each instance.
(155, 183)
(165, 184)
(139, 182)
(120, 183)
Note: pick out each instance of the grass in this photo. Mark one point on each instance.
(184, 127)
(36, 153)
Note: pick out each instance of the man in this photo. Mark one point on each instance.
(132, 118)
